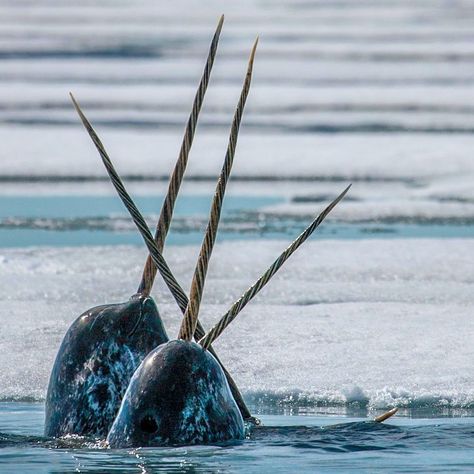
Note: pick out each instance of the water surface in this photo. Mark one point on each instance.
(335, 443)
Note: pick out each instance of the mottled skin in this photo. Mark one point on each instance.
(178, 396)
(97, 358)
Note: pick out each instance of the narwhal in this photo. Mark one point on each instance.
(179, 394)
(104, 346)
(190, 392)
(155, 245)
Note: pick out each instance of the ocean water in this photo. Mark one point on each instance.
(311, 443)
(374, 312)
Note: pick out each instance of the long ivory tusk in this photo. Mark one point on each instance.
(188, 325)
(166, 214)
(235, 309)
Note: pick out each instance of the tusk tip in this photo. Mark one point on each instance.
(252, 54)
(255, 44)
(75, 103)
(72, 98)
(386, 415)
(219, 25)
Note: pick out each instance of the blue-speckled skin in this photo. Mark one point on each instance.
(178, 396)
(94, 365)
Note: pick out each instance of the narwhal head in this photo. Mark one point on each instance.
(96, 360)
(178, 396)
(134, 324)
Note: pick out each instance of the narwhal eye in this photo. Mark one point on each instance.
(148, 424)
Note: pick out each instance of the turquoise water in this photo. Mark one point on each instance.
(311, 443)
(102, 220)
(82, 206)
(66, 220)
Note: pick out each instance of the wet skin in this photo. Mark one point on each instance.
(178, 396)
(97, 358)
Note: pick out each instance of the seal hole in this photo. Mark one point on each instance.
(148, 424)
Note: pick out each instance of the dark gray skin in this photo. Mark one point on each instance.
(178, 396)
(97, 358)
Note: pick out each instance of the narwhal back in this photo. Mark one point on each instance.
(94, 365)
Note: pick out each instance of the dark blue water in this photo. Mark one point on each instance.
(283, 444)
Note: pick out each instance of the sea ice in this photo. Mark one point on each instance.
(378, 322)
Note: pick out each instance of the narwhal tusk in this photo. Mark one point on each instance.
(190, 318)
(173, 285)
(385, 416)
(166, 214)
(235, 309)
(176, 290)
